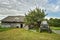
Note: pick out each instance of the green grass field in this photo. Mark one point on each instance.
(21, 34)
(55, 28)
(4, 29)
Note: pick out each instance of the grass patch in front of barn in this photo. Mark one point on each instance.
(21, 34)
(5, 29)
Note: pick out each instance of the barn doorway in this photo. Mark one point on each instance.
(21, 25)
(17, 26)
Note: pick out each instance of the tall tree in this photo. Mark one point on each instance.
(34, 16)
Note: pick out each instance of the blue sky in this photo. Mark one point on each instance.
(52, 1)
(52, 13)
(20, 7)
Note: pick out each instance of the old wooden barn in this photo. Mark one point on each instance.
(13, 21)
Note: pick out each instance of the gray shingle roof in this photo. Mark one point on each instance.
(13, 19)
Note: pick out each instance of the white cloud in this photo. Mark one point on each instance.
(5, 2)
(51, 17)
(19, 7)
(57, 8)
(10, 12)
(53, 8)
(2, 16)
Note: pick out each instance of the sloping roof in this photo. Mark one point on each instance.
(13, 19)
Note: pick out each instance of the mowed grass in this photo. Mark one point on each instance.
(21, 34)
(5, 29)
(55, 28)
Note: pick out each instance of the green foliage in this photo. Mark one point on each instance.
(54, 22)
(33, 16)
